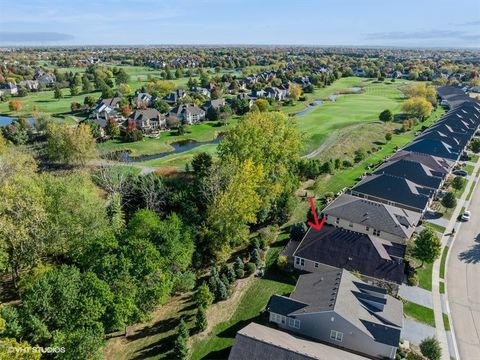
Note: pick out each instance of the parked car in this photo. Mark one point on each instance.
(460, 172)
(466, 216)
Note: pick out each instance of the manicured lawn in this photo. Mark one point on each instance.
(469, 169)
(470, 192)
(217, 343)
(420, 313)
(446, 322)
(474, 158)
(442, 262)
(425, 276)
(436, 227)
(441, 287)
(347, 177)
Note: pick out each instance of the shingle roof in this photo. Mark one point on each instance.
(433, 147)
(383, 217)
(393, 188)
(341, 248)
(256, 341)
(370, 309)
(141, 114)
(413, 171)
(436, 163)
(284, 305)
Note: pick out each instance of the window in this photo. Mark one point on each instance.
(297, 261)
(376, 232)
(315, 264)
(302, 262)
(367, 228)
(336, 335)
(294, 323)
(279, 319)
(337, 221)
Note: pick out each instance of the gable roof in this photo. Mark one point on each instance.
(144, 114)
(256, 341)
(393, 188)
(383, 217)
(366, 307)
(111, 102)
(435, 163)
(342, 248)
(188, 109)
(434, 147)
(413, 171)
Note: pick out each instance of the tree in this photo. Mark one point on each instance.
(161, 106)
(458, 182)
(125, 90)
(203, 296)
(202, 164)
(90, 101)
(69, 144)
(386, 115)
(73, 90)
(427, 246)
(15, 105)
(421, 90)
(360, 155)
(262, 104)
(388, 136)
(57, 94)
(431, 349)
(201, 319)
(86, 84)
(238, 264)
(418, 107)
(180, 347)
(255, 257)
(122, 77)
(3, 144)
(295, 91)
(112, 128)
(449, 201)
(475, 146)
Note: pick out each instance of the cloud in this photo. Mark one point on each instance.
(23, 37)
(423, 35)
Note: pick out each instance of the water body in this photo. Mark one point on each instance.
(178, 147)
(7, 120)
(309, 108)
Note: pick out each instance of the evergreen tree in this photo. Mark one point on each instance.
(255, 257)
(180, 347)
(238, 264)
(201, 319)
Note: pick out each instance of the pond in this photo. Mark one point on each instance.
(7, 120)
(178, 147)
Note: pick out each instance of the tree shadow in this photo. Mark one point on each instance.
(472, 255)
(163, 346)
(218, 354)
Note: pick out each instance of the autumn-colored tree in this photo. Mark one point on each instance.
(418, 107)
(160, 87)
(262, 105)
(15, 105)
(126, 110)
(112, 127)
(421, 90)
(295, 91)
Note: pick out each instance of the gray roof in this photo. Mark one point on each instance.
(383, 217)
(433, 162)
(149, 113)
(434, 147)
(369, 309)
(256, 341)
(413, 171)
(394, 188)
(341, 248)
(188, 109)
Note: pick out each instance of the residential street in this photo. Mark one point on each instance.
(463, 283)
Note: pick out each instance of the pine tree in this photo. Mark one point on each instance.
(238, 264)
(180, 347)
(115, 211)
(201, 319)
(255, 257)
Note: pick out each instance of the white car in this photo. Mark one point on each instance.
(466, 215)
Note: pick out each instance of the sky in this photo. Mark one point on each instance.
(406, 23)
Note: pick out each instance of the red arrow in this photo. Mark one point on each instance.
(316, 225)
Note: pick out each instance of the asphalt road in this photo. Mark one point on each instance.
(463, 283)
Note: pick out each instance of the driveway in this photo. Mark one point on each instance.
(416, 295)
(463, 283)
(415, 332)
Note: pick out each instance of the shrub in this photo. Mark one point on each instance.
(430, 348)
(347, 163)
(458, 182)
(267, 236)
(201, 319)
(386, 115)
(184, 282)
(222, 292)
(360, 155)
(224, 279)
(282, 261)
(250, 267)
(388, 136)
(240, 273)
(238, 264)
(255, 257)
(449, 201)
(412, 279)
(231, 276)
(329, 195)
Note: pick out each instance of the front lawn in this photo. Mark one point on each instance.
(420, 313)
(443, 261)
(425, 276)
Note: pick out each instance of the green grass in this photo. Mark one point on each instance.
(474, 158)
(436, 227)
(253, 301)
(446, 322)
(347, 177)
(420, 313)
(469, 169)
(470, 192)
(425, 276)
(441, 287)
(443, 261)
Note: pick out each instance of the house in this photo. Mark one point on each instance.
(257, 341)
(393, 190)
(202, 91)
(334, 247)
(173, 97)
(435, 147)
(9, 88)
(45, 78)
(189, 113)
(416, 172)
(216, 104)
(31, 85)
(276, 93)
(372, 218)
(337, 308)
(106, 109)
(143, 99)
(452, 96)
(438, 164)
(148, 119)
